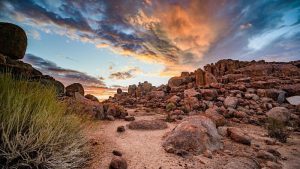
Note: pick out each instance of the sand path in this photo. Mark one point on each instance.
(143, 150)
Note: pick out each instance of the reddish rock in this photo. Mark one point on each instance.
(194, 135)
(242, 163)
(75, 87)
(191, 93)
(281, 114)
(118, 162)
(217, 118)
(209, 94)
(203, 78)
(91, 97)
(238, 136)
(231, 102)
(119, 91)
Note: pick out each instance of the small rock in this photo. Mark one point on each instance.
(265, 155)
(223, 131)
(273, 165)
(294, 100)
(207, 154)
(238, 136)
(129, 118)
(117, 153)
(110, 118)
(121, 129)
(118, 163)
(231, 102)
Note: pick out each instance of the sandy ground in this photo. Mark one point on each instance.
(143, 150)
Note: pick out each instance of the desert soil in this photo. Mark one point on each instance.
(143, 150)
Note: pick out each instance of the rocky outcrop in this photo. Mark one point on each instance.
(91, 97)
(204, 78)
(194, 135)
(75, 87)
(107, 110)
(13, 43)
(13, 40)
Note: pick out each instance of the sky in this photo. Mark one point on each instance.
(107, 44)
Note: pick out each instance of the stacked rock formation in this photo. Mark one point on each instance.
(13, 43)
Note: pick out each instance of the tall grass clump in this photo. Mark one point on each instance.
(35, 131)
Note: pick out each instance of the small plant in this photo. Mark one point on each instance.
(170, 107)
(35, 132)
(277, 129)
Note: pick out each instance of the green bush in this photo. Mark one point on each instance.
(170, 107)
(35, 132)
(277, 129)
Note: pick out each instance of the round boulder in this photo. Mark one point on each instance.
(118, 162)
(119, 91)
(13, 40)
(91, 97)
(281, 114)
(242, 162)
(75, 87)
(194, 135)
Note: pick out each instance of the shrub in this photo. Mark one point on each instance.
(277, 129)
(35, 132)
(170, 106)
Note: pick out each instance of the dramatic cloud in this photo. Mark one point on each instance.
(127, 74)
(67, 76)
(182, 35)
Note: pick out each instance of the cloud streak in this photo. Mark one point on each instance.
(127, 74)
(67, 76)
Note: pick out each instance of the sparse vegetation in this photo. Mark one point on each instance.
(35, 132)
(277, 129)
(170, 107)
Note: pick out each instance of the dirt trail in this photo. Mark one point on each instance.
(143, 150)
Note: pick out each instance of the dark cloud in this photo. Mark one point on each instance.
(122, 75)
(179, 34)
(67, 76)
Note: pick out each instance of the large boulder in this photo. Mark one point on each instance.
(242, 162)
(75, 87)
(13, 40)
(91, 97)
(281, 114)
(176, 81)
(118, 162)
(194, 135)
